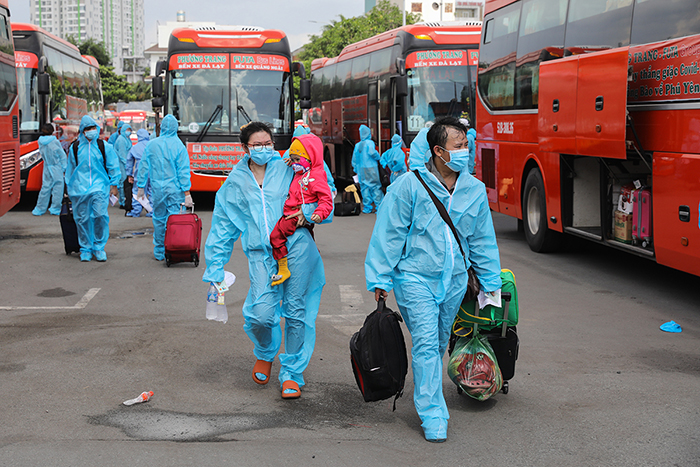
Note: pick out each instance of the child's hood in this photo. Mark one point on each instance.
(314, 148)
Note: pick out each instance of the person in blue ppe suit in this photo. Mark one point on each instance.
(89, 183)
(471, 143)
(122, 145)
(364, 162)
(247, 207)
(113, 137)
(166, 163)
(305, 130)
(132, 167)
(413, 252)
(394, 158)
(52, 178)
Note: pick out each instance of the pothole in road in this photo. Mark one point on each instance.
(54, 293)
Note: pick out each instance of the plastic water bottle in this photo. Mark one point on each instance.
(212, 299)
(221, 312)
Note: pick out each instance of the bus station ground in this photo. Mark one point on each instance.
(597, 383)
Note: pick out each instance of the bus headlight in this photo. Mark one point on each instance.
(30, 159)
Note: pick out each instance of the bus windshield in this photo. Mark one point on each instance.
(245, 95)
(440, 84)
(28, 98)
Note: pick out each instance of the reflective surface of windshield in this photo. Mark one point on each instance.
(438, 91)
(245, 95)
(28, 98)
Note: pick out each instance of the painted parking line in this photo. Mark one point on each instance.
(352, 314)
(82, 303)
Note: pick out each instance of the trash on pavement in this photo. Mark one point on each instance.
(671, 326)
(143, 397)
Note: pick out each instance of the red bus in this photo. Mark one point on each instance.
(217, 79)
(396, 82)
(581, 101)
(56, 85)
(137, 120)
(9, 115)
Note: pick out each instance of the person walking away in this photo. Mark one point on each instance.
(309, 187)
(413, 251)
(113, 137)
(394, 158)
(247, 206)
(166, 163)
(364, 162)
(92, 172)
(122, 145)
(52, 178)
(132, 166)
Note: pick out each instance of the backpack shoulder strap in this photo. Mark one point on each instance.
(101, 146)
(74, 149)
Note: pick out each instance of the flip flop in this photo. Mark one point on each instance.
(290, 385)
(261, 366)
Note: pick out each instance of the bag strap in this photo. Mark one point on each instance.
(443, 212)
(100, 146)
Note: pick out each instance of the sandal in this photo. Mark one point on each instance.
(262, 367)
(290, 390)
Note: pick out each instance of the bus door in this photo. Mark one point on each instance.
(374, 120)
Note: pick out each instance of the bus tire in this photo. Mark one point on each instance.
(538, 235)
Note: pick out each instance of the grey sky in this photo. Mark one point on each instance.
(297, 18)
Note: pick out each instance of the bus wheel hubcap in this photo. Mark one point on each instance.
(533, 210)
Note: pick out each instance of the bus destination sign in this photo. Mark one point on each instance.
(199, 61)
(214, 156)
(430, 58)
(259, 62)
(25, 60)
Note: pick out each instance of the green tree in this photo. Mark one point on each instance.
(97, 50)
(345, 31)
(115, 88)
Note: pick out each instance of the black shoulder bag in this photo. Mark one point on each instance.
(473, 281)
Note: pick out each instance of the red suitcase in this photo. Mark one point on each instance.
(183, 238)
(641, 216)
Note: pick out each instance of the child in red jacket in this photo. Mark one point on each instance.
(309, 186)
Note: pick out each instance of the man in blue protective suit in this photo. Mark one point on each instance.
(52, 179)
(132, 170)
(394, 158)
(247, 207)
(90, 177)
(166, 163)
(471, 144)
(365, 160)
(113, 137)
(413, 252)
(122, 146)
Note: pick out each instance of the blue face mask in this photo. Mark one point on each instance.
(92, 134)
(262, 156)
(458, 160)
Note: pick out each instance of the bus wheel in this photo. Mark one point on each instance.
(540, 238)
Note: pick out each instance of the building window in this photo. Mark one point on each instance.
(416, 7)
(448, 7)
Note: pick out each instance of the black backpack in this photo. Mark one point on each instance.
(100, 145)
(378, 355)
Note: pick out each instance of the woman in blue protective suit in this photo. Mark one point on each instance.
(364, 162)
(132, 170)
(394, 158)
(247, 207)
(166, 163)
(54, 158)
(413, 252)
(122, 146)
(89, 182)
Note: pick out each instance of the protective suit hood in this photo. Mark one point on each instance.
(472, 132)
(301, 130)
(85, 122)
(365, 132)
(396, 141)
(143, 135)
(46, 139)
(168, 127)
(419, 150)
(314, 148)
(124, 127)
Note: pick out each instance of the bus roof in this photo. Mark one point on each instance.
(493, 5)
(31, 27)
(223, 36)
(91, 60)
(462, 32)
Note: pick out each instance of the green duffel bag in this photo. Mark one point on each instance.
(490, 317)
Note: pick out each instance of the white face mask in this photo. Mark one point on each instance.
(459, 158)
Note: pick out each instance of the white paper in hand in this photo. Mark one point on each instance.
(113, 200)
(490, 298)
(146, 205)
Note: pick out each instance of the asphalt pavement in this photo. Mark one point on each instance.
(597, 382)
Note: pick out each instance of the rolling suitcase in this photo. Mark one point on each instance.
(183, 238)
(641, 216)
(68, 227)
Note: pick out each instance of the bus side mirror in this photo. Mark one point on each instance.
(157, 86)
(305, 90)
(298, 68)
(401, 86)
(157, 102)
(43, 84)
(161, 66)
(401, 66)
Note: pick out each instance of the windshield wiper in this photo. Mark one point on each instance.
(241, 109)
(210, 121)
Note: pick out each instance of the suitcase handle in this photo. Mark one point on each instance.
(505, 296)
(183, 208)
